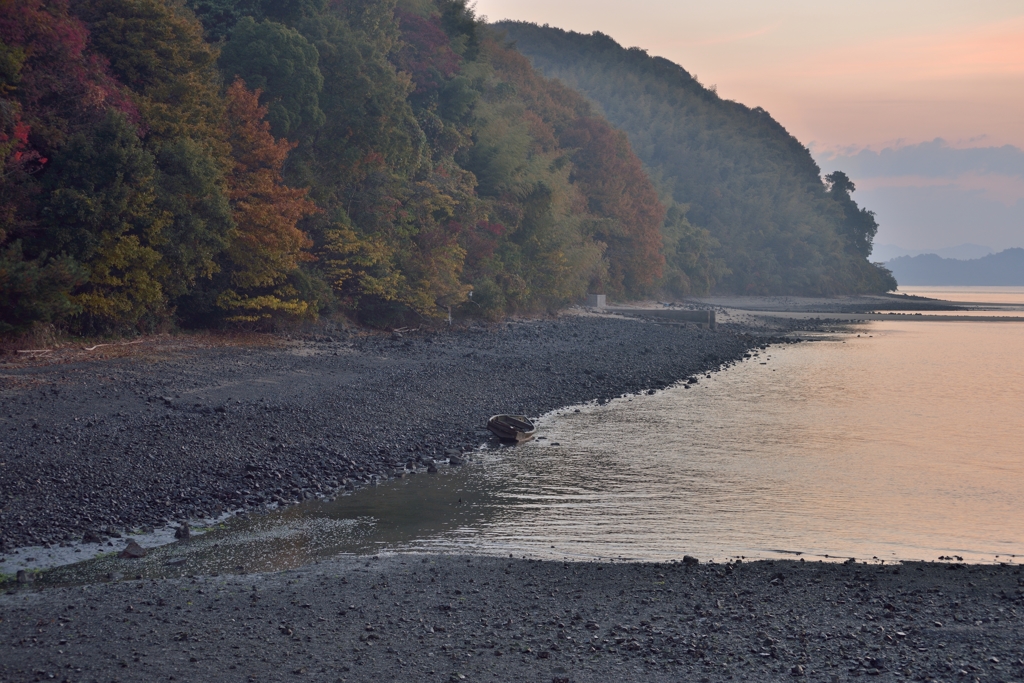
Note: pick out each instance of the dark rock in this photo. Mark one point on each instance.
(91, 537)
(455, 460)
(183, 533)
(133, 550)
(24, 577)
(690, 560)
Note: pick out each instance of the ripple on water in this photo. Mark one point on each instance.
(900, 443)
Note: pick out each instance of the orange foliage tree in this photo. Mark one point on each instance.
(266, 246)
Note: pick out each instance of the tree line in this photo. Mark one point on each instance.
(252, 162)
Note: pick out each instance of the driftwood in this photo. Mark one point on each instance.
(93, 348)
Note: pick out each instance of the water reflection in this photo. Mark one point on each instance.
(895, 441)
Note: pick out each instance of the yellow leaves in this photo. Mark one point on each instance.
(251, 309)
(122, 282)
(360, 264)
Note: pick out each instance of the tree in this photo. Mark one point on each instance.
(101, 211)
(617, 189)
(156, 48)
(858, 225)
(743, 178)
(280, 63)
(266, 245)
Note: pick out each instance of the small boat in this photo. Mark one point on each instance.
(516, 428)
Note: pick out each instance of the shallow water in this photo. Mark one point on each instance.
(902, 443)
(996, 296)
(900, 440)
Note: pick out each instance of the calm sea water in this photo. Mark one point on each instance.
(898, 440)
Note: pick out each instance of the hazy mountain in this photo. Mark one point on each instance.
(737, 173)
(963, 252)
(1005, 269)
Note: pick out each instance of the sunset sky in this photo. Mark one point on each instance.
(846, 78)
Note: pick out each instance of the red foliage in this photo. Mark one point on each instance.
(481, 240)
(61, 84)
(427, 54)
(268, 244)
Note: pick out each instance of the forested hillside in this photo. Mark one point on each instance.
(758, 218)
(257, 161)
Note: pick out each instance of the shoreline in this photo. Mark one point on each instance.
(450, 618)
(115, 446)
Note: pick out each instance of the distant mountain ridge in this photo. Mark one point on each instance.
(962, 252)
(749, 196)
(1004, 269)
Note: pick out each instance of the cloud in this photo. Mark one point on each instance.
(932, 194)
(935, 159)
(1006, 189)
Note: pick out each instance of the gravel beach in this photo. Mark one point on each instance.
(165, 432)
(451, 618)
(169, 433)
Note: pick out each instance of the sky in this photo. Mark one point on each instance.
(895, 89)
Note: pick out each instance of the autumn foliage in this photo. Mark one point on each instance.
(266, 244)
(226, 162)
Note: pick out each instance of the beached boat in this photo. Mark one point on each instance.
(516, 428)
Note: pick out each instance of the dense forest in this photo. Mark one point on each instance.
(748, 209)
(215, 162)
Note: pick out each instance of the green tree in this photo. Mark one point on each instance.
(156, 48)
(745, 180)
(101, 211)
(858, 225)
(281, 63)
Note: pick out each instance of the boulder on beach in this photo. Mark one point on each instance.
(133, 550)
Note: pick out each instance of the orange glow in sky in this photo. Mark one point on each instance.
(873, 73)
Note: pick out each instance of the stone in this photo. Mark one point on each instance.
(183, 533)
(455, 460)
(690, 560)
(91, 537)
(24, 577)
(133, 550)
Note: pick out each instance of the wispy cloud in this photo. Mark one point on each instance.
(1007, 190)
(934, 159)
